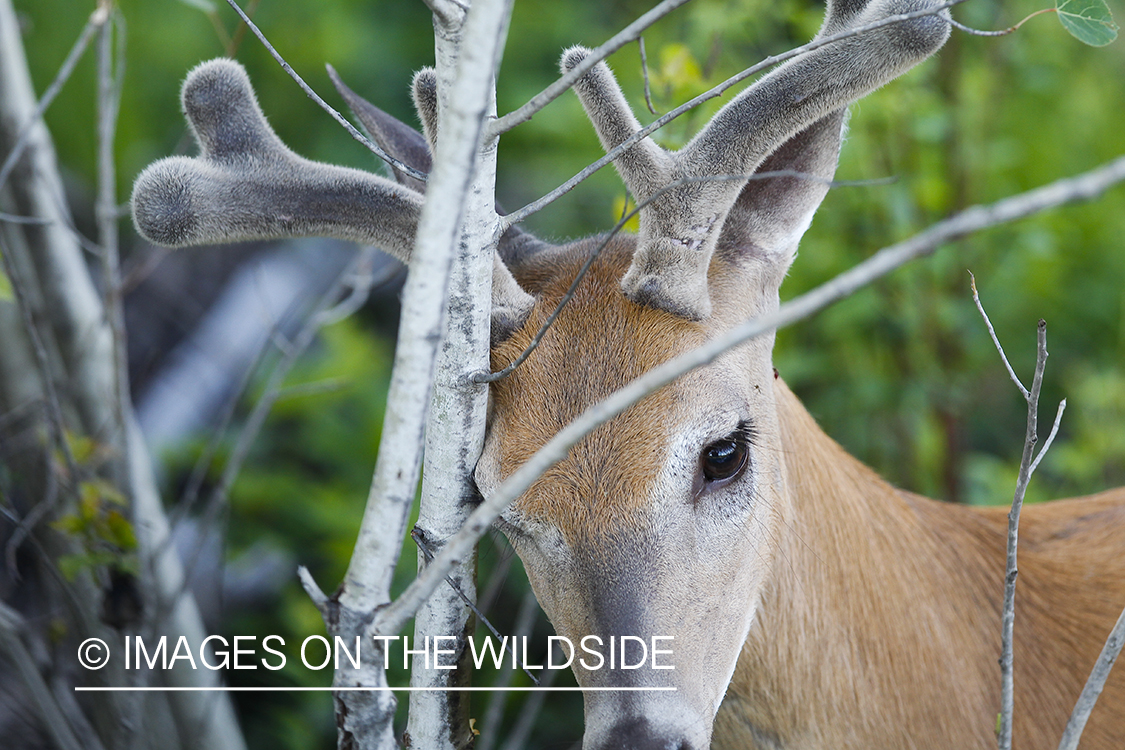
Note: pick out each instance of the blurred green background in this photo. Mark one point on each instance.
(902, 373)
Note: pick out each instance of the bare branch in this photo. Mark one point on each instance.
(309, 584)
(111, 69)
(468, 54)
(1000, 32)
(517, 739)
(54, 721)
(490, 724)
(1081, 187)
(1008, 615)
(419, 537)
(630, 33)
(13, 219)
(1050, 438)
(644, 73)
(97, 18)
(996, 341)
(1094, 685)
(446, 212)
(240, 32)
(54, 407)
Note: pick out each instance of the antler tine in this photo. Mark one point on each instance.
(247, 185)
(799, 93)
(424, 90)
(680, 230)
(645, 167)
(511, 305)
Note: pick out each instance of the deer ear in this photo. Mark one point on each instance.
(395, 137)
(777, 205)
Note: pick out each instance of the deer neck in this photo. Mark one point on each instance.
(858, 636)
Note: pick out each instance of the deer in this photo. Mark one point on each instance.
(811, 604)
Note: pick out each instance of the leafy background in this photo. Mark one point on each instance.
(902, 373)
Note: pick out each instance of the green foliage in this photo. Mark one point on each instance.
(106, 536)
(303, 490)
(902, 374)
(1089, 21)
(6, 294)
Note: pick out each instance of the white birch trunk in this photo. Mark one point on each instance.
(76, 325)
(466, 50)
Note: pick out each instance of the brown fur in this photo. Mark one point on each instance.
(879, 620)
(600, 343)
(885, 605)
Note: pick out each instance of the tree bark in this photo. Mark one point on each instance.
(72, 327)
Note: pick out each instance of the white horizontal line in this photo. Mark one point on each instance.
(369, 689)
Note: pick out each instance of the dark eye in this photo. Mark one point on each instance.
(725, 458)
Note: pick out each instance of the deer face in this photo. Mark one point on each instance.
(661, 524)
(646, 528)
(664, 521)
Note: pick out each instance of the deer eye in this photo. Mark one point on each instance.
(727, 458)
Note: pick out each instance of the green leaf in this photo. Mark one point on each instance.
(81, 447)
(71, 565)
(5, 287)
(120, 531)
(70, 524)
(1089, 21)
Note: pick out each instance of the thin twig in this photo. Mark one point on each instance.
(27, 524)
(517, 739)
(319, 387)
(1094, 685)
(97, 18)
(110, 75)
(54, 722)
(562, 85)
(490, 723)
(419, 537)
(319, 598)
(13, 219)
(995, 341)
(139, 270)
(55, 419)
(1028, 463)
(1000, 32)
(240, 31)
(1081, 187)
(324, 312)
(499, 574)
(519, 215)
(1050, 438)
(203, 463)
(644, 73)
(373, 147)
(86, 244)
(1008, 616)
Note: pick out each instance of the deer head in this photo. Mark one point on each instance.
(665, 521)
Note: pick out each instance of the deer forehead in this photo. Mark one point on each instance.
(600, 342)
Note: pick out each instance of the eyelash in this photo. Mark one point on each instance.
(723, 461)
